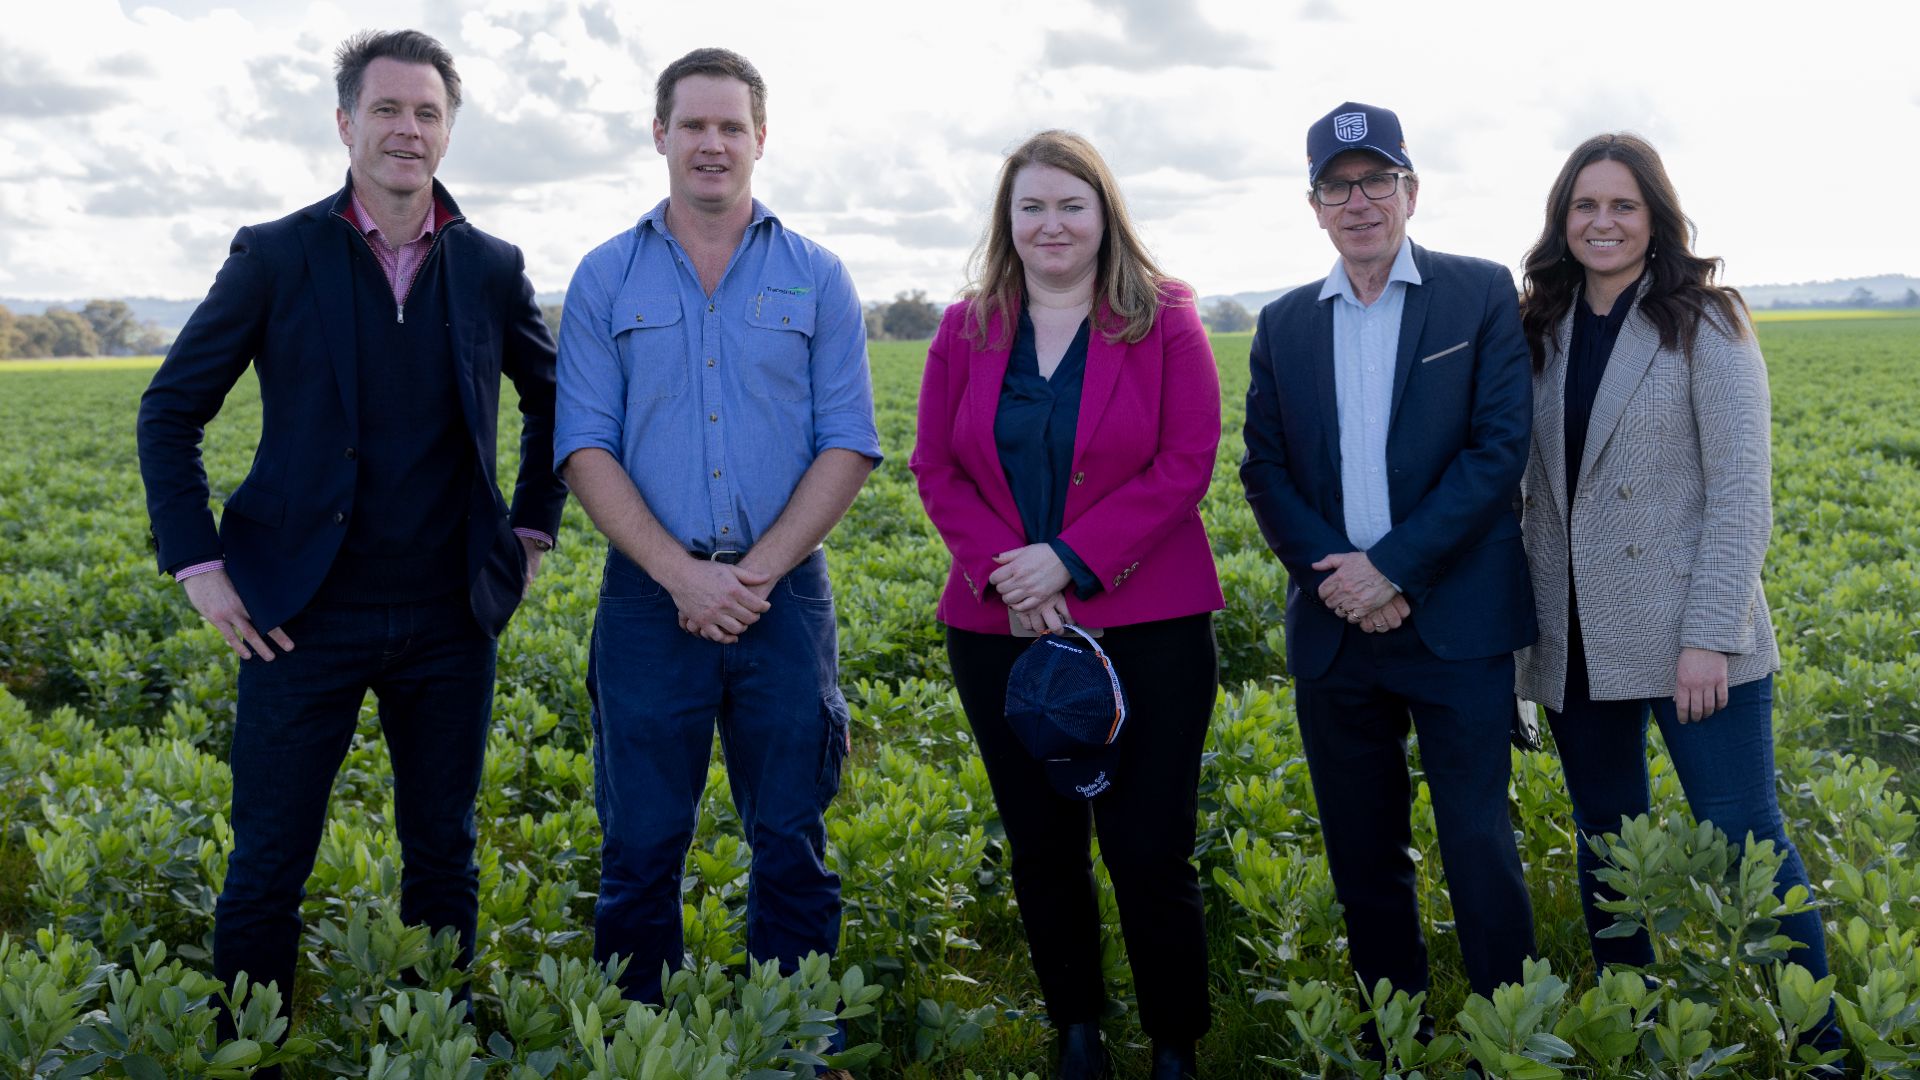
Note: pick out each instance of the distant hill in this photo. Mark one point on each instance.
(1885, 289)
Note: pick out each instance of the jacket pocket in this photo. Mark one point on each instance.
(257, 504)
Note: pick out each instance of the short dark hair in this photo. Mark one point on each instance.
(720, 63)
(407, 46)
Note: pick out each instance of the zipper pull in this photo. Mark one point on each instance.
(400, 312)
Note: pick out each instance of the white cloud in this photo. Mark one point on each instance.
(134, 140)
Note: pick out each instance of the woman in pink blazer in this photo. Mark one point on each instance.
(1069, 415)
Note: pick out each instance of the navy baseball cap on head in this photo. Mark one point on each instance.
(1354, 126)
(1067, 707)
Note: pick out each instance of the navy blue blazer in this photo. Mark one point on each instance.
(284, 303)
(1457, 443)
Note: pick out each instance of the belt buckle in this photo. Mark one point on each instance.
(727, 556)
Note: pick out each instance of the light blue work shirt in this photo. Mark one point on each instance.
(716, 405)
(1366, 345)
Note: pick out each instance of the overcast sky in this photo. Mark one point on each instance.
(136, 137)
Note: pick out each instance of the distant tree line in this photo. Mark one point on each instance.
(101, 328)
(910, 316)
(1861, 297)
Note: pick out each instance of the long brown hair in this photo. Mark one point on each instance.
(1126, 277)
(1680, 285)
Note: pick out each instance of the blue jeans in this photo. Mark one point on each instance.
(1725, 766)
(1354, 722)
(432, 669)
(657, 695)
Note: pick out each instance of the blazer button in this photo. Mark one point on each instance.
(339, 518)
(1079, 478)
(1633, 551)
(352, 453)
(1626, 492)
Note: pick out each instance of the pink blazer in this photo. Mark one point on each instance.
(1143, 454)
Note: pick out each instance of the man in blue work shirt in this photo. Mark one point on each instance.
(715, 418)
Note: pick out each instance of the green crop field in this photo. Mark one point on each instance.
(116, 707)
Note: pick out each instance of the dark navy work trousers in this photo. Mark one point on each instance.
(431, 668)
(658, 695)
(1354, 721)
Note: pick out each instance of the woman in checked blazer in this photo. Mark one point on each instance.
(1647, 515)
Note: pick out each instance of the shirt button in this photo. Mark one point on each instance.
(716, 474)
(725, 529)
(639, 318)
(709, 305)
(709, 361)
(339, 518)
(713, 417)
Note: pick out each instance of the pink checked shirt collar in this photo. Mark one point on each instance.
(401, 261)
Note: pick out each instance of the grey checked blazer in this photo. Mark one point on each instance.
(1672, 518)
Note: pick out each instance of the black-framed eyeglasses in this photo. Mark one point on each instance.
(1378, 186)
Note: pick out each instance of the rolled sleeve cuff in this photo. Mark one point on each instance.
(545, 541)
(565, 446)
(867, 446)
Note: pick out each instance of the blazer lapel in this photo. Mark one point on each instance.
(1632, 355)
(1550, 414)
(1104, 360)
(1413, 320)
(986, 371)
(456, 276)
(326, 249)
(1321, 336)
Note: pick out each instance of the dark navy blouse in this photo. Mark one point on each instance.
(1034, 430)
(1593, 340)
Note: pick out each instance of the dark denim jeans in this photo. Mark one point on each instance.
(658, 693)
(432, 669)
(1354, 722)
(1725, 766)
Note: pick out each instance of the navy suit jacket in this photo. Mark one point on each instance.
(1457, 443)
(284, 303)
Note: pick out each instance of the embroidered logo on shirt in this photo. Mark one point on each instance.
(791, 290)
(1350, 127)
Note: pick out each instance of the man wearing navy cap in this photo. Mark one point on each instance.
(1387, 428)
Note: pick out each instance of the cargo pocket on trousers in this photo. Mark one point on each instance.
(839, 743)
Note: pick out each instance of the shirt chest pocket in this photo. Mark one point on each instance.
(652, 344)
(778, 361)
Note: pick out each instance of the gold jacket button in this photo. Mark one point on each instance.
(1080, 478)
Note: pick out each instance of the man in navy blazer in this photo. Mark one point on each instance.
(368, 547)
(1386, 431)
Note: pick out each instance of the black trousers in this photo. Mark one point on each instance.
(1146, 824)
(1354, 722)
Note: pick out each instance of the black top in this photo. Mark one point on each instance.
(406, 534)
(1034, 429)
(1593, 338)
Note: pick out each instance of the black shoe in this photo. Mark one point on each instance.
(1173, 1061)
(1082, 1055)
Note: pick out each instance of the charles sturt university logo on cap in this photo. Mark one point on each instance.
(1350, 127)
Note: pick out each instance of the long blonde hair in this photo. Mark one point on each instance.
(1126, 278)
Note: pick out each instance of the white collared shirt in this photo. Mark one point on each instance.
(1366, 345)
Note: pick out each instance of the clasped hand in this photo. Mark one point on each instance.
(1033, 582)
(717, 600)
(1360, 594)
